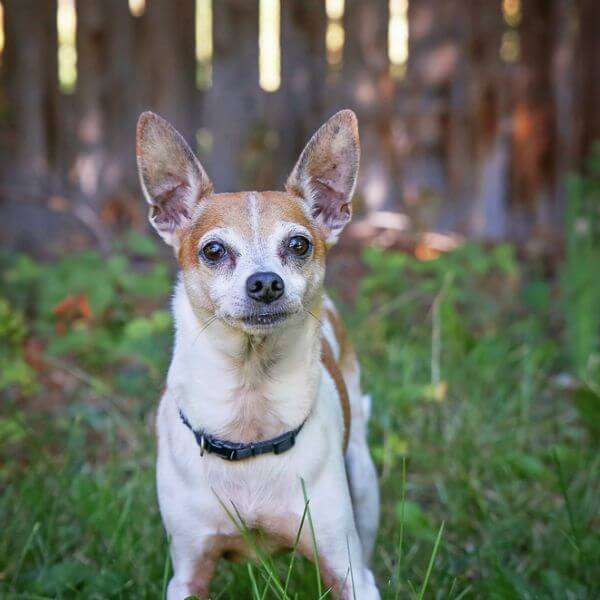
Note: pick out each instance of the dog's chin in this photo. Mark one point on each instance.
(261, 323)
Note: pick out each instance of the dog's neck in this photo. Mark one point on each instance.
(238, 387)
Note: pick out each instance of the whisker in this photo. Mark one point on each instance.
(314, 317)
(208, 323)
(205, 325)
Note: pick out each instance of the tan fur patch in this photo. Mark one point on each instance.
(333, 369)
(233, 210)
(203, 574)
(283, 529)
(340, 333)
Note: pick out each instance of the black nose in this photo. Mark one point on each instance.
(264, 287)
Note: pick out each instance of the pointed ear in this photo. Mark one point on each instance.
(172, 179)
(325, 174)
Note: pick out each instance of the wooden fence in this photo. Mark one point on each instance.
(478, 133)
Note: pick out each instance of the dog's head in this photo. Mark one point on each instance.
(251, 259)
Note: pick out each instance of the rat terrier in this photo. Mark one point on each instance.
(263, 402)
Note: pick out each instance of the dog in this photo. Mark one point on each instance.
(262, 411)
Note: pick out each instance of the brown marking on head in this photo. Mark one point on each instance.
(232, 211)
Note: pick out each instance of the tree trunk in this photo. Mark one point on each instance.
(233, 103)
(587, 66)
(169, 64)
(433, 65)
(31, 125)
(369, 89)
(93, 67)
(533, 201)
(30, 74)
(304, 69)
(484, 167)
(123, 98)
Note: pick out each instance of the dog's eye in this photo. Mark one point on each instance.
(214, 251)
(299, 245)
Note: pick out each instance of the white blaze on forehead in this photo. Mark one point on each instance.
(261, 253)
(254, 216)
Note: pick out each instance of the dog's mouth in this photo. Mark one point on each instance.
(264, 319)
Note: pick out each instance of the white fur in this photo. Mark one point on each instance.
(190, 487)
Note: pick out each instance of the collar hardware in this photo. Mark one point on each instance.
(234, 451)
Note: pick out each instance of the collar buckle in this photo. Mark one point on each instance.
(283, 445)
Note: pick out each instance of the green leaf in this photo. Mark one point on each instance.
(527, 465)
(142, 245)
(588, 406)
(415, 520)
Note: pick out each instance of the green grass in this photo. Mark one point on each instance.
(489, 470)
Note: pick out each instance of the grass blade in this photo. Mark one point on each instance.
(431, 561)
(121, 522)
(351, 571)
(166, 569)
(325, 594)
(266, 588)
(26, 546)
(463, 593)
(313, 539)
(272, 581)
(255, 593)
(565, 494)
(576, 541)
(296, 542)
(401, 540)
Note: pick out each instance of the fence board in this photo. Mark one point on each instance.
(233, 104)
(464, 141)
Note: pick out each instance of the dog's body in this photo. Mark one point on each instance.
(247, 366)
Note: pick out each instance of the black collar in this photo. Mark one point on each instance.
(239, 451)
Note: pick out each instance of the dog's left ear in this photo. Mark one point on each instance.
(325, 174)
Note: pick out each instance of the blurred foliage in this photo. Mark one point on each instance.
(580, 281)
(464, 356)
(14, 370)
(466, 361)
(105, 316)
(581, 285)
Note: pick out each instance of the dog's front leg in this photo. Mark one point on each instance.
(344, 571)
(341, 559)
(194, 562)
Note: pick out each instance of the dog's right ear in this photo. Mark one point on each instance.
(172, 178)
